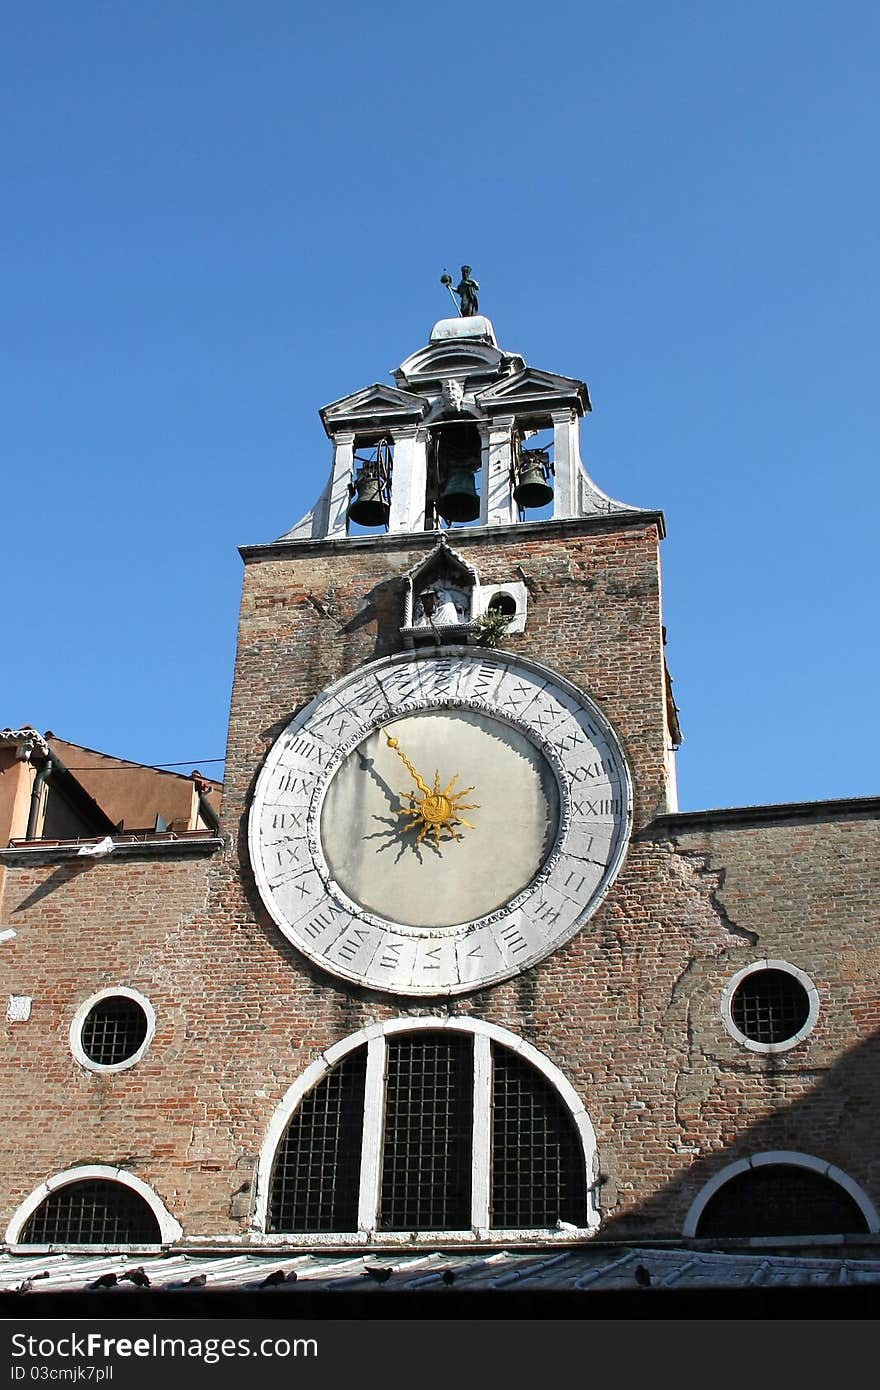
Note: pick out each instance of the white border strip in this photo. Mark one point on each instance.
(169, 1229)
(785, 1158)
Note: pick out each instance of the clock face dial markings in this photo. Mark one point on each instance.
(325, 789)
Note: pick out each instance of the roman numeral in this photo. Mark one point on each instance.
(333, 721)
(352, 944)
(400, 685)
(587, 773)
(483, 677)
(515, 699)
(440, 678)
(541, 718)
(390, 957)
(514, 941)
(368, 699)
(575, 881)
(286, 852)
(600, 806)
(546, 912)
(319, 922)
(312, 751)
(568, 741)
(291, 782)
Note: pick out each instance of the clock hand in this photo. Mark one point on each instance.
(438, 810)
(422, 786)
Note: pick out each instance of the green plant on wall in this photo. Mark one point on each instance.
(493, 625)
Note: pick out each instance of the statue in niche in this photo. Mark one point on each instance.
(441, 607)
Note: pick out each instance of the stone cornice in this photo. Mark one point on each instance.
(28, 740)
(470, 535)
(192, 844)
(781, 813)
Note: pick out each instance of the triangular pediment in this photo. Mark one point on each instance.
(532, 388)
(444, 557)
(374, 405)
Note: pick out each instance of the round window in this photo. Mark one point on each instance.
(112, 1030)
(770, 1006)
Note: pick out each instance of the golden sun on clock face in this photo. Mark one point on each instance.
(432, 810)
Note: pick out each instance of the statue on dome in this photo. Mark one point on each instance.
(467, 292)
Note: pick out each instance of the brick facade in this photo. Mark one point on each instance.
(628, 1010)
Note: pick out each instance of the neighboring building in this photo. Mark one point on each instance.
(455, 972)
(51, 789)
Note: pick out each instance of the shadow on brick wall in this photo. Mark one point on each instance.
(834, 1122)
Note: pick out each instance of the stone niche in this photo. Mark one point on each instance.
(440, 600)
(445, 600)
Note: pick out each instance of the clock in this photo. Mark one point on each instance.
(439, 821)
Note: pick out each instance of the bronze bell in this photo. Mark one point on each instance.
(459, 500)
(369, 505)
(533, 482)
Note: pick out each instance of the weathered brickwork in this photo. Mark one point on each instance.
(312, 613)
(629, 1009)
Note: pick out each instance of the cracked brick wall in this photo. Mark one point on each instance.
(628, 1009)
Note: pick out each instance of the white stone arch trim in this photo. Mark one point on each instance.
(170, 1229)
(79, 1018)
(788, 1158)
(478, 1029)
(752, 968)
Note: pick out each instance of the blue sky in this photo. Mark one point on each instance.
(220, 216)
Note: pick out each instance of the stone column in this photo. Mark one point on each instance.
(409, 481)
(496, 495)
(566, 462)
(339, 498)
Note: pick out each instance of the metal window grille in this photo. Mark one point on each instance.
(770, 1006)
(113, 1030)
(428, 1144)
(781, 1200)
(92, 1212)
(316, 1173)
(538, 1172)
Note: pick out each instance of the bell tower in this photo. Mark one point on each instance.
(452, 973)
(473, 450)
(450, 726)
(452, 443)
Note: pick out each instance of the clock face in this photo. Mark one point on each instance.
(437, 822)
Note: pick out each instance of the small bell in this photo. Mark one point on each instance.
(533, 487)
(370, 504)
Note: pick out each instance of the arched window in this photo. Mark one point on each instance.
(92, 1212)
(315, 1177)
(537, 1163)
(780, 1194)
(93, 1204)
(432, 1128)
